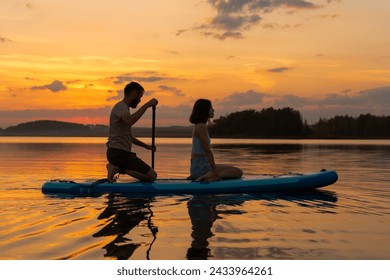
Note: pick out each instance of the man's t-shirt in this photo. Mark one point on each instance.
(119, 133)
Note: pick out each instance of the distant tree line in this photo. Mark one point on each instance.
(364, 126)
(288, 123)
(268, 122)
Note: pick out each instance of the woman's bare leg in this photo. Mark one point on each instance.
(226, 171)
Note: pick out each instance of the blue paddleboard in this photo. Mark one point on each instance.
(249, 184)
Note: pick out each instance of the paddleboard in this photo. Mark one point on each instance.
(248, 184)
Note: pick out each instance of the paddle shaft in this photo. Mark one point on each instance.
(153, 133)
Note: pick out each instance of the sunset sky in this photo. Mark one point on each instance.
(69, 60)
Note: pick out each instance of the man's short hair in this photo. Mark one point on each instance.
(133, 86)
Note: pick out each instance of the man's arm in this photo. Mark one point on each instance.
(138, 142)
(131, 119)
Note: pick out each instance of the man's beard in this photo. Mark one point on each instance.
(134, 103)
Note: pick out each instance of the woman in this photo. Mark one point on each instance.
(203, 167)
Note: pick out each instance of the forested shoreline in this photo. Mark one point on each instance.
(288, 123)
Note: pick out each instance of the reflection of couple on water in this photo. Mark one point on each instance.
(126, 214)
(122, 160)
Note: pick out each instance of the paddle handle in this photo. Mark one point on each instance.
(153, 133)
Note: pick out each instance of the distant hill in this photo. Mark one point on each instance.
(54, 128)
(58, 128)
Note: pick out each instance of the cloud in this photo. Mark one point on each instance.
(375, 101)
(279, 69)
(229, 22)
(181, 31)
(377, 95)
(55, 86)
(169, 115)
(224, 35)
(25, 4)
(276, 26)
(239, 101)
(327, 16)
(144, 77)
(119, 94)
(234, 6)
(233, 18)
(291, 100)
(128, 78)
(365, 100)
(172, 90)
(244, 98)
(141, 77)
(5, 40)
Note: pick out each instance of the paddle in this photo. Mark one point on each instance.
(153, 132)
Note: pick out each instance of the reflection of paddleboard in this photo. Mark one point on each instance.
(253, 184)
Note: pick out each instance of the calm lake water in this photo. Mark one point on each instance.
(347, 220)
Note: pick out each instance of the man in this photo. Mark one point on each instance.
(119, 155)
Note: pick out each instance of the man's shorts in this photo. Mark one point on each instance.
(126, 161)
